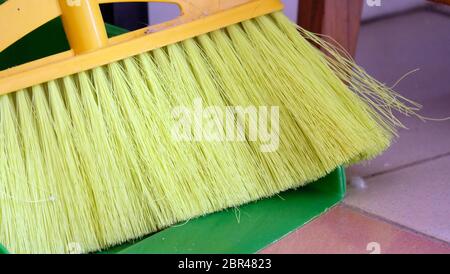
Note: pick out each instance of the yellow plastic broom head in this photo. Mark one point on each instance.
(87, 36)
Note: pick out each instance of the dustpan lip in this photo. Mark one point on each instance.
(3, 250)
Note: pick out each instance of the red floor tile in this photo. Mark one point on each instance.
(345, 230)
(417, 197)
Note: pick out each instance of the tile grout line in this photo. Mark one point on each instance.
(441, 10)
(423, 7)
(391, 222)
(408, 165)
(395, 14)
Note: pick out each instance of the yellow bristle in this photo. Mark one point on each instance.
(105, 170)
(74, 190)
(15, 194)
(41, 187)
(91, 159)
(247, 172)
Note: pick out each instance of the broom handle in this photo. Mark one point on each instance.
(20, 17)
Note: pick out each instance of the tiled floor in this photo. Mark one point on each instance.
(404, 206)
(417, 197)
(345, 230)
(410, 183)
(390, 48)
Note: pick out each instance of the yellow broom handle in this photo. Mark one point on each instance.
(82, 19)
(83, 24)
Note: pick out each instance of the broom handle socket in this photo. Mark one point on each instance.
(83, 24)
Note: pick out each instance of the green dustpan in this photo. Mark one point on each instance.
(247, 229)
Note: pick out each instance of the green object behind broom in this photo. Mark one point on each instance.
(90, 158)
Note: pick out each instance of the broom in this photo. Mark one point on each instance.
(99, 145)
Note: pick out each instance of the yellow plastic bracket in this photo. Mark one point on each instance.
(91, 48)
(20, 17)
